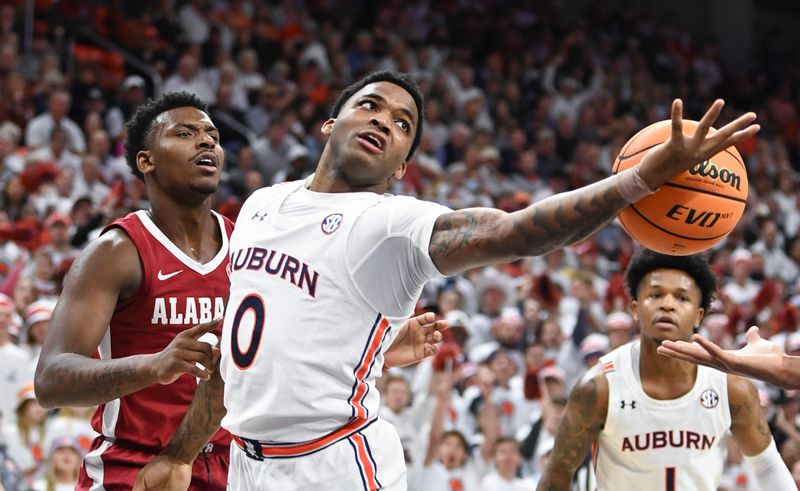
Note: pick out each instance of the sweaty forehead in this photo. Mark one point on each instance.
(394, 94)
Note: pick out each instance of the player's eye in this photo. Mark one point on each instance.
(184, 133)
(403, 124)
(368, 105)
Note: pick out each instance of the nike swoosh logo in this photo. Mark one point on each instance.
(162, 276)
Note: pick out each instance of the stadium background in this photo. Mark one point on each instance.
(525, 99)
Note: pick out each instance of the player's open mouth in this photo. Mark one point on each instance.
(372, 141)
(207, 159)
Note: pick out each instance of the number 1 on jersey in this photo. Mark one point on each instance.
(243, 360)
(670, 478)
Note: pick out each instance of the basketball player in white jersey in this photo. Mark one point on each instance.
(324, 270)
(658, 423)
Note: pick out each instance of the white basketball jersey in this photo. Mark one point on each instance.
(661, 445)
(320, 283)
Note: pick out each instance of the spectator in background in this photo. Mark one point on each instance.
(620, 329)
(272, 150)
(14, 361)
(770, 245)
(132, 95)
(112, 167)
(56, 151)
(742, 289)
(507, 459)
(40, 128)
(89, 181)
(62, 467)
(37, 323)
(189, 78)
(25, 439)
(11, 162)
(59, 248)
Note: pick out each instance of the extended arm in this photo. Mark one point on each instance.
(759, 359)
(582, 422)
(753, 436)
(67, 374)
(478, 236)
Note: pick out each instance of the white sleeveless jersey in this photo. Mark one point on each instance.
(661, 445)
(320, 283)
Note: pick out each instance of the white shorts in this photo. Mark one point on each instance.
(369, 459)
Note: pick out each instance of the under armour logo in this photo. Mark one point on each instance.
(259, 215)
(632, 404)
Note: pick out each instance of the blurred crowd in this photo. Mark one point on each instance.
(522, 102)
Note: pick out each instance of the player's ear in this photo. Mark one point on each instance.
(635, 310)
(401, 170)
(144, 163)
(327, 127)
(699, 317)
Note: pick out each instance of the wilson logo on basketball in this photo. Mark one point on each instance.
(710, 170)
(695, 217)
(331, 223)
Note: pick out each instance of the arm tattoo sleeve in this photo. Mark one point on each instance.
(576, 432)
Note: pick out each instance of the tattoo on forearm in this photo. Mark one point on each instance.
(576, 432)
(471, 237)
(76, 382)
(202, 420)
(567, 218)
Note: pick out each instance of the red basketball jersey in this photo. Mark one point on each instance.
(176, 293)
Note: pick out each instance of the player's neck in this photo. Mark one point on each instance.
(328, 179)
(194, 230)
(663, 377)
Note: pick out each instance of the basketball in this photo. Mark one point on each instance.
(692, 211)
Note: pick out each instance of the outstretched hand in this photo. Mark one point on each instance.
(419, 338)
(163, 474)
(681, 152)
(759, 358)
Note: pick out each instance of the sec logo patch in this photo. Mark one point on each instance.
(331, 223)
(709, 399)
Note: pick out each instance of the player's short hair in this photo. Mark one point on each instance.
(398, 78)
(140, 126)
(696, 266)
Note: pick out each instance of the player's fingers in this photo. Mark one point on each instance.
(752, 335)
(741, 135)
(431, 349)
(739, 126)
(677, 118)
(200, 329)
(713, 350)
(434, 337)
(203, 357)
(708, 119)
(197, 372)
